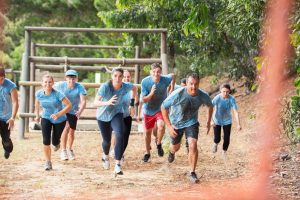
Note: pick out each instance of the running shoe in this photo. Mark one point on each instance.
(146, 157)
(56, 147)
(171, 157)
(64, 155)
(215, 148)
(48, 165)
(193, 177)
(105, 163)
(118, 169)
(6, 154)
(71, 154)
(160, 150)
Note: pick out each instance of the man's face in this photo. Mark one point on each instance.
(192, 86)
(225, 93)
(71, 80)
(155, 74)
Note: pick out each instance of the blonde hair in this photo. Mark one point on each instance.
(48, 76)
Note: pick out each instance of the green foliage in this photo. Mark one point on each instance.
(209, 37)
(291, 111)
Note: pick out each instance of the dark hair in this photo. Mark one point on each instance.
(2, 72)
(225, 85)
(183, 81)
(117, 69)
(194, 76)
(155, 65)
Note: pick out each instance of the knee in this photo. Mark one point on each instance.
(193, 146)
(46, 141)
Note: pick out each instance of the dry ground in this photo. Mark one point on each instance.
(22, 176)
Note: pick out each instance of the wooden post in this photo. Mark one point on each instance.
(163, 53)
(24, 77)
(137, 67)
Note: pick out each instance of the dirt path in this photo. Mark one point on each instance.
(22, 176)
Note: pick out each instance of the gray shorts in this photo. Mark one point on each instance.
(191, 131)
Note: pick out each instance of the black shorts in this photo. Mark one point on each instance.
(72, 120)
(191, 131)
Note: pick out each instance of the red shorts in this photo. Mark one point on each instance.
(149, 121)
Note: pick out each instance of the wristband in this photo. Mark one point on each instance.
(131, 102)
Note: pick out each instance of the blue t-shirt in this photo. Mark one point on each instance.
(177, 86)
(183, 108)
(126, 105)
(106, 91)
(5, 99)
(51, 104)
(153, 106)
(73, 94)
(222, 109)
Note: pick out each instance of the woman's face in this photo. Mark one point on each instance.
(47, 83)
(225, 93)
(126, 77)
(117, 77)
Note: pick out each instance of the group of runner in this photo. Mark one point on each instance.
(164, 103)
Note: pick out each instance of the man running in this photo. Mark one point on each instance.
(154, 91)
(184, 104)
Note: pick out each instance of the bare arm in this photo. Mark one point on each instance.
(150, 95)
(81, 105)
(165, 114)
(37, 110)
(132, 96)
(15, 107)
(237, 118)
(67, 108)
(98, 101)
(209, 116)
(172, 85)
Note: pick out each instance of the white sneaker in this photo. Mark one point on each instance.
(64, 155)
(71, 154)
(105, 163)
(118, 169)
(215, 148)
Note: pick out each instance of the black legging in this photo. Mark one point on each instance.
(5, 135)
(56, 134)
(217, 133)
(127, 123)
(117, 125)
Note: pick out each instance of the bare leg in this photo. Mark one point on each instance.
(160, 130)
(47, 152)
(148, 139)
(193, 153)
(64, 136)
(71, 137)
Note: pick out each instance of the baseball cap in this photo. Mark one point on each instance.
(71, 72)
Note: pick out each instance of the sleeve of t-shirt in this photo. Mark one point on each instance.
(102, 90)
(233, 104)
(170, 100)
(214, 101)
(129, 86)
(168, 78)
(82, 90)
(207, 100)
(60, 96)
(144, 91)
